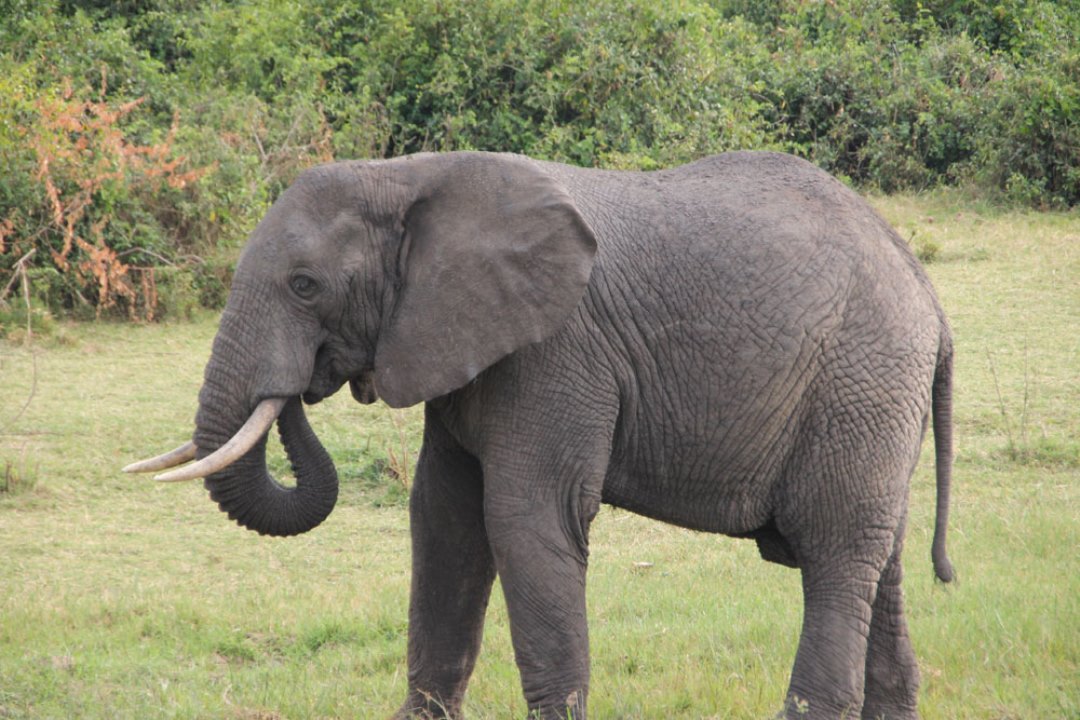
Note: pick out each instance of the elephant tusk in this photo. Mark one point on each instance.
(162, 462)
(262, 417)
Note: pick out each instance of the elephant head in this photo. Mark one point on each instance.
(404, 278)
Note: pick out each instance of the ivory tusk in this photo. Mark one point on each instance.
(262, 417)
(162, 462)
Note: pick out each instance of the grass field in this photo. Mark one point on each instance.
(122, 598)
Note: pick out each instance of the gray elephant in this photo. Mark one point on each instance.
(740, 346)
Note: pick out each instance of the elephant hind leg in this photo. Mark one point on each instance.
(892, 673)
(840, 579)
(843, 513)
(827, 679)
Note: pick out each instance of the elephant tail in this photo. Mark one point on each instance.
(941, 400)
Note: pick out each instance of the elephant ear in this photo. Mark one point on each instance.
(495, 256)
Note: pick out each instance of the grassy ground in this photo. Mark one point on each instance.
(121, 598)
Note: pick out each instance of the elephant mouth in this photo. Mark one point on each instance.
(361, 386)
(257, 425)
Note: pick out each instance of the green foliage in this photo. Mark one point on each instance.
(1034, 156)
(890, 94)
(597, 84)
(910, 105)
(1016, 28)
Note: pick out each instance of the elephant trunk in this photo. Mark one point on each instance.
(247, 492)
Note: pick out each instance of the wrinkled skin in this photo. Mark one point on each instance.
(738, 346)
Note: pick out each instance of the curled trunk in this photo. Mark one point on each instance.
(249, 494)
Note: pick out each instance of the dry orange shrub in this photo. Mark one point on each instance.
(81, 153)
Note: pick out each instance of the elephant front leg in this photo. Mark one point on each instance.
(452, 575)
(542, 563)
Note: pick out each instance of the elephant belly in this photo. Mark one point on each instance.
(694, 487)
(705, 445)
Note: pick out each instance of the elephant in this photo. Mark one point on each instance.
(739, 345)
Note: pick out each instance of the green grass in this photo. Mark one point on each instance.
(122, 598)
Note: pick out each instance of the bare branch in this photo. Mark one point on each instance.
(16, 269)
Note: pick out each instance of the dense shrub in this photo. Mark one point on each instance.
(1034, 151)
(603, 83)
(186, 119)
(902, 103)
(89, 196)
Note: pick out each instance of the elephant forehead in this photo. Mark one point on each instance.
(297, 237)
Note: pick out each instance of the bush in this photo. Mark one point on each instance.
(898, 97)
(1033, 153)
(144, 140)
(604, 83)
(89, 195)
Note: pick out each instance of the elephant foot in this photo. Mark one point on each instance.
(573, 708)
(797, 707)
(882, 711)
(422, 706)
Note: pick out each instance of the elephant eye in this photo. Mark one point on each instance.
(303, 285)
